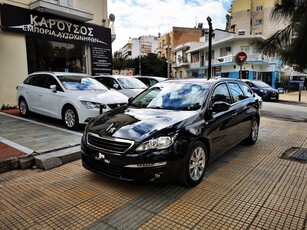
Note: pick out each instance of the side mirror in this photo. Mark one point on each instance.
(53, 88)
(220, 106)
(130, 99)
(116, 86)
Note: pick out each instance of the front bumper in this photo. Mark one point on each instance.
(155, 167)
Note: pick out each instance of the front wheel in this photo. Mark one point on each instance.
(70, 118)
(194, 165)
(254, 130)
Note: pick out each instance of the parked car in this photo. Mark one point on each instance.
(263, 89)
(126, 85)
(150, 80)
(172, 130)
(74, 98)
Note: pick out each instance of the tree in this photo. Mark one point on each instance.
(151, 65)
(289, 43)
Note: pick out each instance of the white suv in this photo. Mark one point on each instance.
(75, 98)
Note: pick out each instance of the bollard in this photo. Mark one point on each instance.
(299, 95)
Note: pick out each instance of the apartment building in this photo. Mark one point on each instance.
(140, 46)
(179, 35)
(225, 46)
(52, 35)
(252, 17)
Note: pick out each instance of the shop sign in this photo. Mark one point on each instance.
(55, 28)
(32, 22)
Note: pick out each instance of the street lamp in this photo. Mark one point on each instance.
(210, 46)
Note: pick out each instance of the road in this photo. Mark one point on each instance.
(284, 111)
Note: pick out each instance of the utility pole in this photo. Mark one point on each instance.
(210, 46)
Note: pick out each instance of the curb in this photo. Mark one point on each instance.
(43, 161)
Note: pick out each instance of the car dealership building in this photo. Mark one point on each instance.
(52, 35)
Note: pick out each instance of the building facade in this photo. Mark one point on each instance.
(140, 46)
(225, 47)
(178, 36)
(252, 17)
(52, 35)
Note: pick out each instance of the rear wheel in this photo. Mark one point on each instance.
(194, 165)
(23, 107)
(253, 136)
(70, 117)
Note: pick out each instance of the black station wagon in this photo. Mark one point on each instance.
(172, 130)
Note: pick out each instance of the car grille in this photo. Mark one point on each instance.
(109, 145)
(113, 106)
(107, 169)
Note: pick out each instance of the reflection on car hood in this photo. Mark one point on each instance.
(138, 124)
(101, 96)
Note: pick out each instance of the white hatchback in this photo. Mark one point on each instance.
(126, 85)
(73, 97)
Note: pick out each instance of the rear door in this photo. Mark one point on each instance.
(32, 91)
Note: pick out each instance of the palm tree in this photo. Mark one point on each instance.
(289, 43)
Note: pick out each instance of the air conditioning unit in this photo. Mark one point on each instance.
(241, 32)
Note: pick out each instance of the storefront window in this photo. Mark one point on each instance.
(54, 56)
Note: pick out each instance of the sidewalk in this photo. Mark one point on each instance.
(294, 97)
(24, 143)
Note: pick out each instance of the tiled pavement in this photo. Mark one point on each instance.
(251, 187)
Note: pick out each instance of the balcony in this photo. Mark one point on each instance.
(61, 8)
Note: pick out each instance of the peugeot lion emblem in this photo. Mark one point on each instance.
(102, 156)
(111, 129)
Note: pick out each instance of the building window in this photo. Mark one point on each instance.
(46, 55)
(258, 22)
(212, 55)
(245, 49)
(259, 8)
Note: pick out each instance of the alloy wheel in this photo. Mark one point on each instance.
(197, 163)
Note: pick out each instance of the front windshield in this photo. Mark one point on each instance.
(172, 96)
(261, 84)
(131, 83)
(75, 82)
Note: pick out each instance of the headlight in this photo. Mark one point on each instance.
(90, 105)
(157, 143)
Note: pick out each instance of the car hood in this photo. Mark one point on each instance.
(138, 124)
(100, 96)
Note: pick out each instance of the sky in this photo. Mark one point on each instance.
(135, 18)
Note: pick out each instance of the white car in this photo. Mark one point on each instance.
(126, 85)
(150, 80)
(75, 98)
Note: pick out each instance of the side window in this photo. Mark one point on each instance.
(220, 93)
(236, 92)
(36, 80)
(50, 80)
(109, 82)
(246, 90)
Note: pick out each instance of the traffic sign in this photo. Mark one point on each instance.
(240, 58)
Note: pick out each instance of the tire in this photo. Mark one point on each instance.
(253, 136)
(23, 108)
(194, 165)
(70, 117)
